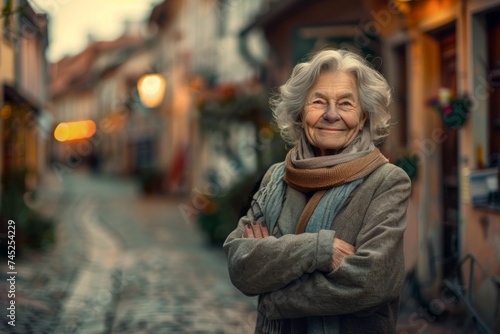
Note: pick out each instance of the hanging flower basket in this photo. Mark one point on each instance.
(454, 111)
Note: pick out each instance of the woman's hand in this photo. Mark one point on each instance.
(340, 250)
(255, 230)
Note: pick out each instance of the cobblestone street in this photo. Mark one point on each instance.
(124, 264)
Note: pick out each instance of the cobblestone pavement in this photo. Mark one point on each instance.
(124, 264)
(187, 286)
(44, 279)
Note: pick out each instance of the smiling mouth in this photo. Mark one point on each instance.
(330, 130)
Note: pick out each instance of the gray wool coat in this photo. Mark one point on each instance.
(293, 276)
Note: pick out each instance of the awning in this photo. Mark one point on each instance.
(11, 95)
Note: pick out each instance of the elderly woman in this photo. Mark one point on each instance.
(322, 244)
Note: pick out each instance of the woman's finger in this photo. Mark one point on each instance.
(343, 246)
(256, 230)
(264, 230)
(249, 231)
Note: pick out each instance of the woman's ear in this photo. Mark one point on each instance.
(363, 121)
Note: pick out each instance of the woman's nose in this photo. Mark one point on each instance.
(331, 113)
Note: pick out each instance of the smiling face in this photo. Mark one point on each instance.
(332, 117)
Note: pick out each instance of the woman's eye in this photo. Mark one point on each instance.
(318, 102)
(345, 103)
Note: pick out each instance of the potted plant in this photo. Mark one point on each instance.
(454, 110)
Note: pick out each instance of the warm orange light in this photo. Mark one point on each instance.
(6, 111)
(151, 89)
(74, 130)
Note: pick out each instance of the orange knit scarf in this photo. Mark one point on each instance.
(322, 179)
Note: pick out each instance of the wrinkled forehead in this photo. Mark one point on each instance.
(334, 84)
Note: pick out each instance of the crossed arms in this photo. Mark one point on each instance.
(315, 274)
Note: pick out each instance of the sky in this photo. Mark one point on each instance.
(71, 21)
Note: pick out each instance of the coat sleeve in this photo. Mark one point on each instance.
(258, 266)
(370, 277)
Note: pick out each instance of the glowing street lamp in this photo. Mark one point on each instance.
(74, 130)
(151, 88)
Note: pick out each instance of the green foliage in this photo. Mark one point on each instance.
(32, 230)
(455, 112)
(218, 116)
(8, 11)
(221, 215)
(409, 163)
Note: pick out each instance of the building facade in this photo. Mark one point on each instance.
(100, 84)
(198, 45)
(194, 46)
(25, 119)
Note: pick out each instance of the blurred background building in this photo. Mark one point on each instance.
(24, 78)
(25, 115)
(181, 103)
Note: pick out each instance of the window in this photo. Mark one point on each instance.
(400, 95)
(493, 31)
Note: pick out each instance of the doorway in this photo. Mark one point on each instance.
(446, 39)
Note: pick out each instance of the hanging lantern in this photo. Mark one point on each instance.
(151, 88)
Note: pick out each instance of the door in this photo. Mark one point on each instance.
(449, 159)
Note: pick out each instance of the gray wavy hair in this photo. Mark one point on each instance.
(375, 94)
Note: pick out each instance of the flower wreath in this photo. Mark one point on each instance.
(454, 110)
